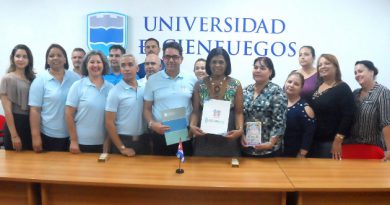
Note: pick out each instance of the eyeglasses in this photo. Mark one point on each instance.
(174, 57)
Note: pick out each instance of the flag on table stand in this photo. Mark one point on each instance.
(180, 155)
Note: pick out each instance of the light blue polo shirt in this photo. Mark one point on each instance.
(167, 93)
(50, 95)
(127, 103)
(89, 117)
(112, 78)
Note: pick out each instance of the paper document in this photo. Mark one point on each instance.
(176, 119)
(215, 117)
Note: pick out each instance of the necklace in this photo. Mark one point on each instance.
(322, 89)
(217, 87)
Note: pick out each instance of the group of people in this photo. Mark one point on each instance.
(116, 105)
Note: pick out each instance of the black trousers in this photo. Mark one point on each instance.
(22, 125)
(55, 144)
(91, 148)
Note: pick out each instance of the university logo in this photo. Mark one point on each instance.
(105, 29)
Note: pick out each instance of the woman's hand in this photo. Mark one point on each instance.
(336, 147)
(196, 131)
(387, 156)
(128, 152)
(234, 134)
(244, 143)
(74, 147)
(16, 143)
(37, 143)
(302, 153)
(264, 146)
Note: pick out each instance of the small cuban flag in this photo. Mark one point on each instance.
(180, 152)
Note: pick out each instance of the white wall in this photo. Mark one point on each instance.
(350, 29)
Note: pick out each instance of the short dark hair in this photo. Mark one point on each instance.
(268, 62)
(123, 50)
(54, 45)
(84, 68)
(28, 71)
(153, 39)
(174, 45)
(370, 65)
(313, 52)
(216, 52)
(79, 50)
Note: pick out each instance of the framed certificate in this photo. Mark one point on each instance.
(177, 121)
(215, 116)
(253, 133)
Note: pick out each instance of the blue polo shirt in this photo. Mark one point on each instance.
(127, 103)
(89, 117)
(167, 93)
(112, 78)
(50, 95)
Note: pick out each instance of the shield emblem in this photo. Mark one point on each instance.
(105, 29)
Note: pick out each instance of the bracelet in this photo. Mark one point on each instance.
(341, 137)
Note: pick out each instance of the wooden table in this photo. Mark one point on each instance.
(64, 178)
(326, 181)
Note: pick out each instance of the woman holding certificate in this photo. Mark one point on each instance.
(265, 107)
(222, 127)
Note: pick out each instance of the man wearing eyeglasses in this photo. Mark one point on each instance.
(168, 89)
(152, 46)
